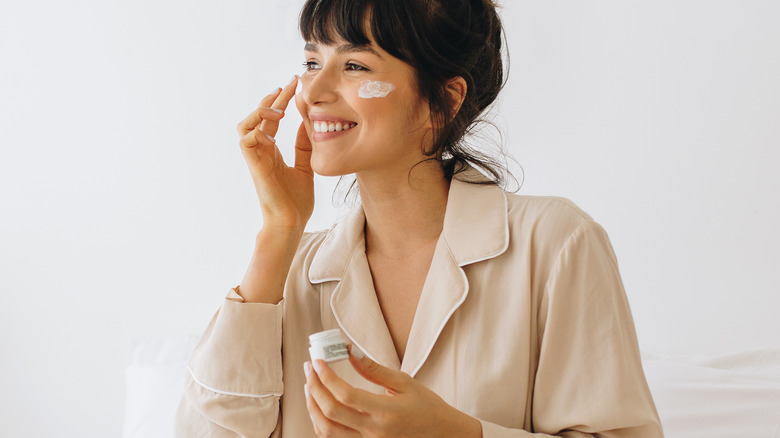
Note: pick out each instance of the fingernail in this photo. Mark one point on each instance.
(271, 138)
(293, 79)
(277, 110)
(276, 90)
(317, 366)
(356, 352)
(306, 368)
(306, 389)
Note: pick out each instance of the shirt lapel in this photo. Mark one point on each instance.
(341, 263)
(475, 229)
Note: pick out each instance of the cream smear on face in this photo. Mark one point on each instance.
(371, 89)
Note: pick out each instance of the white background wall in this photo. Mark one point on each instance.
(126, 211)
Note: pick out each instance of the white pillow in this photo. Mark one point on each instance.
(155, 382)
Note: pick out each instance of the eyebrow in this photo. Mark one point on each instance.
(345, 48)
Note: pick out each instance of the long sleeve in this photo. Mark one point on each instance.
(589, 380)
(235, 374)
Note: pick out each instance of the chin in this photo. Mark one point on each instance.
(324, 168)
(326, 173)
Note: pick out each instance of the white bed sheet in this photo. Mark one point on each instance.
(730, 396)
(736, 395)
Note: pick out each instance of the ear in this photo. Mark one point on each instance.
(457, 88)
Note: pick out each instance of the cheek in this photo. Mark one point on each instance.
(382, 100)
(373, 110)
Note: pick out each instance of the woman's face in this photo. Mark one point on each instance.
(383, 124)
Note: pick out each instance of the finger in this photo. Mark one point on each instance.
(330, 406)
(260, 153)
(270, 127)
(261, 113)
(364, 402)
(245, 125)
(287, 93)
(323, 426)
(269, 99)
(255, 138)
(303, 151)
(392, 380)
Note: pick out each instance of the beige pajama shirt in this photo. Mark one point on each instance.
(523, 323)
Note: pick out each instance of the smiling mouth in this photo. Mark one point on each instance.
(332, 126)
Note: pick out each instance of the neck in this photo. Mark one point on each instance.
(405, 211)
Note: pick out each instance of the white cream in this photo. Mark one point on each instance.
(370, 89)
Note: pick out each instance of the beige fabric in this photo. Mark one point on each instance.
(523, 323)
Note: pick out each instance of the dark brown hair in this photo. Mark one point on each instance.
(440, 39)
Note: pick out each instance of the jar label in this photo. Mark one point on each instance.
(335, 351)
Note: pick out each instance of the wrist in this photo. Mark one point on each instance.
(280, 234)
(275, 249)
(281, 220)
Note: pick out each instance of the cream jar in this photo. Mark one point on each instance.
(329, 346)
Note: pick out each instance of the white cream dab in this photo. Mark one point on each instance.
(370, 89)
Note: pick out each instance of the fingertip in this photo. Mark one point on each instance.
(355, 352)
(262, 137)
(277, 90)
(318, 366)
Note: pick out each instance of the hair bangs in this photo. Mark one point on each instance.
(327, 21)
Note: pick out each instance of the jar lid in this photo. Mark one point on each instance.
(328, 336)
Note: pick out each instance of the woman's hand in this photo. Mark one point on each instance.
(286, 193)
(407, 409)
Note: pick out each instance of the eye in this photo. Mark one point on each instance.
(351, 66)
(311, 65)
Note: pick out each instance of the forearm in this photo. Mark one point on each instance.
(267, 272)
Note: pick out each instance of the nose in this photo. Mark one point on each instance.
(320, 87)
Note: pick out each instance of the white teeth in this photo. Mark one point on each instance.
(331, 126)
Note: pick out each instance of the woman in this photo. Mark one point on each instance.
(471, 312)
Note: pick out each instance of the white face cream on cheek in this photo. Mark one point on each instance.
(372, 89)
